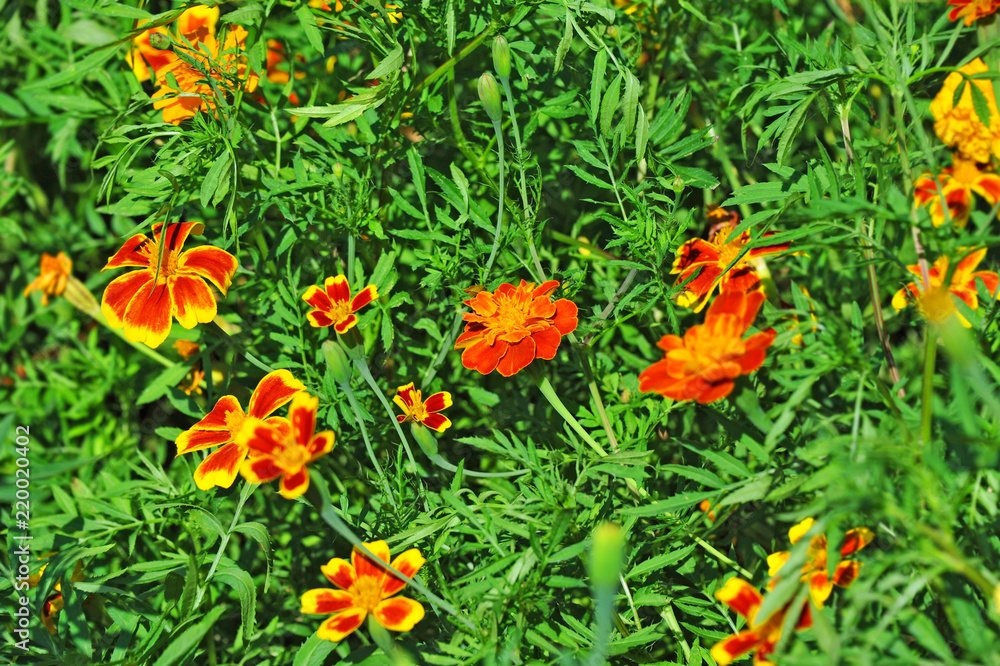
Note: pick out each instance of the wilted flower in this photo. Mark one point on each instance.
(956, 183)
(418, 410)
(511, 327)
(276, 450)
(932, 299)
(958, 124)
(366, 586)
(144, 302)
(333, 305)
(230, 428)
(51, 281)
(713, 257)
(704, 363)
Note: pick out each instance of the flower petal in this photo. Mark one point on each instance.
(565, 319)
(337, 289)
(137, 251)
(846, 572)
(856, 539)
(215, 265)
(408, 564)
(546, 342)
(196, 439)
(321, 444)
(364, 297)
(324, 601)
(120, 292)
(260, 470)
(517, 358)
(366, 567)
(273, 391)
(318, 319)
(340, 572)
(438, 401)
(317, 298)
(729, 649)
(220, 467)
(437, 422)
(295, 484)
(302, 414)
(340, 626)
(345, 324)
(406, 397)
(740, 596)
(482, 356)
(399, 613)
(148, 317)
(193, 300)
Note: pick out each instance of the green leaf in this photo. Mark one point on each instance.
(314, 651)
(241, 581)
(597, 84)
(182, 645)
(393, 62)
(610, 104)
(164, 382)
(217, 178)
(308, 22)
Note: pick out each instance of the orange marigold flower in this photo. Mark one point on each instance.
(193, 25)
(762, 636)
(958, 125)
(972, 10)
(51, 281)
(230, 428)
(956, 184)
(144, 302)
(366, 586)
(511, 327)
(276, 450)
(186, 348)
(333, 305)
(226, 65)
(704, 363)
(419, 411)
(932, 300)
(714, 257)
(54, 602)
(814, 572)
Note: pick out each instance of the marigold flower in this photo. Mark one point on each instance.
(51, 281)
(814, 572)
(333, 305)
(931, 298)
(186, 348)
(958, 125)
(703, 364)
(419, 411)
(144, 302)
(713, 258)
(230, 428)
(54, 602)
(762, 636)
(225, 64)
(193, 25)
(366, 586)
(956, 183)
(972, 10)
(279, 451)
(511, 327)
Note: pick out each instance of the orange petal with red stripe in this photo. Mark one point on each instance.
(399, 613)
(295, 484)
(324, 601)
(120, 292)
(148, 316)
(215, 265)
(340, 626)
(366, 567)
(137, 251)
(340, 572)
(193, 301)
(740, 596)
(408, 564)
(273, 391)
(220, 467)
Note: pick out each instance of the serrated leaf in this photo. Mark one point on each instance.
(182, 645)
(610, 104)
(241, 581)
(308, 22)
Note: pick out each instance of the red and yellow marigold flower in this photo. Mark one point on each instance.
(704, 363)
(511, 327)
(54, 602)
(193, 25)
(51, 281)
(333, 306)
(417, 410)
(956, 184)
(972, 10)
(959, 125)
(229, 427)
(932, 300)
(713, 258)
(366, 586)
(145, 302)
(276, 450)
(761, 636)
(814, 572)
(226, 65)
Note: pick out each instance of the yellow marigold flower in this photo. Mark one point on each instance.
(366, 586)
(956, 184)
(194, 25)
(972, 10)
(225, 63)
(51, 281)
(933, 302)
(958, 125)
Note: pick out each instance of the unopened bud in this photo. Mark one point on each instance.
(501, 57)
(337, 361)
(607, 555)
(159, 41)
(489, 95)
(423, 437)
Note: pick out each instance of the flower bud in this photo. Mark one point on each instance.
(423, 437)
(159, 41)
(489, 95)
(337, 361)
(501, 57)
(607, 555)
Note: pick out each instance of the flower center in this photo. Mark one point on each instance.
(292, 457)
(367, 592)
(965, 171)
(340, 311)
(512, 313)
(728, 249)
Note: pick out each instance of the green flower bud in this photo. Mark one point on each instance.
(501, 57)
(489, 95)
(425, 439)
(339, 364)
(159, 41)
(607, 556)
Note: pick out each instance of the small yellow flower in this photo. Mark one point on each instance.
(958, 125)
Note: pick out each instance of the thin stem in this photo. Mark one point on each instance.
(349, 392)
(245, 493)
(930, 356)
(502, 196)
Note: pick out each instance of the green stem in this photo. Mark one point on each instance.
(349, 392)
(502, 196)
(930, 355)
(245, 493)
